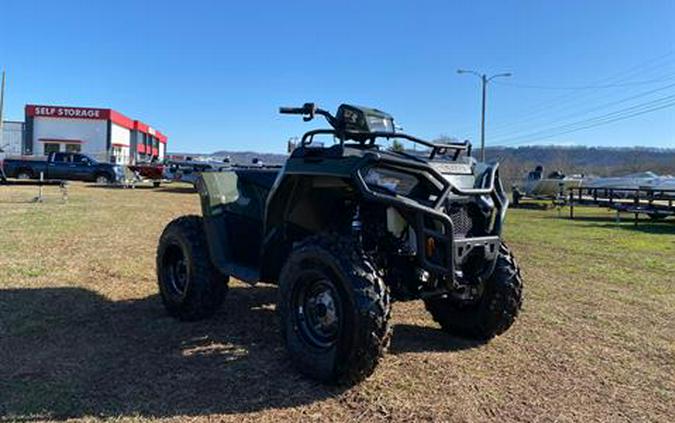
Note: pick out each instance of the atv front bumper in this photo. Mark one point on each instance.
(438, 250)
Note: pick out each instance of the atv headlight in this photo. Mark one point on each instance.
(390, 180)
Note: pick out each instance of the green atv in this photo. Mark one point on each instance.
(344, 230)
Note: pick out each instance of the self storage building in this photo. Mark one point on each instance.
(104, 134)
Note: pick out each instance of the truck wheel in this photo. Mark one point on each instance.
(190, 286)
(334, 310)
(494, 312)
(103, 179)
(24, 174)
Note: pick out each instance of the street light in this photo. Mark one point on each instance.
(484, 80)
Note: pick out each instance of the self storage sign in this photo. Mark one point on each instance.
(68, 112)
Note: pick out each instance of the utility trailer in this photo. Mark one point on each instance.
(656, 203)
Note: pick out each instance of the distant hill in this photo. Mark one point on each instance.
(514, 162)
(246, 157)
(599, 161)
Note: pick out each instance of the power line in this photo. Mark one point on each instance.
(596, 118)
(570, 100)
(600, 107)
(665, 106)
(622, 114)
(553, 113)
(587, 87)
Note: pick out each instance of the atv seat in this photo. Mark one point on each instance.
(263, 178)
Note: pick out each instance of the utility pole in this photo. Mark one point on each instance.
(3, 177)
(2, 105)
(484, 79)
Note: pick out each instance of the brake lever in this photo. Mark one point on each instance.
(310, 109)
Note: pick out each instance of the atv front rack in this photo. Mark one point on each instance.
(434, 229)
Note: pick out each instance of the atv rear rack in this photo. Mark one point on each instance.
(368, 138)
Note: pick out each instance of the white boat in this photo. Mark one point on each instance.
(631, 181)
(536, 185)
(663, 182)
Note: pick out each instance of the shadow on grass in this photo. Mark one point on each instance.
(72, 353)
(31, 183)
(178, 189)
(525, 205)
(411, 338)
(169, 188)
(645, 225)
(29, 201)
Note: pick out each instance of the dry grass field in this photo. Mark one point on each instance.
(83, 334)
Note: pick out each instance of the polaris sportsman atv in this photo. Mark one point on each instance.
(343, 230)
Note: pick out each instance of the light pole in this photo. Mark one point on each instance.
(2, 105)
(484, 79)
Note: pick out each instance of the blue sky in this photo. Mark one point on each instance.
(211, 74)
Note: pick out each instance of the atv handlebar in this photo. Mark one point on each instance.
(292, 110)
(309, 110)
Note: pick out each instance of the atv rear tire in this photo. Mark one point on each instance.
(190, 286)
(334, 310)
(494, 312)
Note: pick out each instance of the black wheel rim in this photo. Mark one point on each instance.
(318, 311)
(175, 270)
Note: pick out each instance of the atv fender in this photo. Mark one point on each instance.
(216, 191)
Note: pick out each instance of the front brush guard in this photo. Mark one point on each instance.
(431, 223)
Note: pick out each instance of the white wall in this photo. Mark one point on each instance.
(93, 133)
(162, 152)
(120, 135)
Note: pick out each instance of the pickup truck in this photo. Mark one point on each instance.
(65, 166)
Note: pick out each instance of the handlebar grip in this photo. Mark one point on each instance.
(292, 110)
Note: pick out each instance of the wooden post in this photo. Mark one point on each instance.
(64, 191)
(636, 204)
(38, 199)
(42, 181)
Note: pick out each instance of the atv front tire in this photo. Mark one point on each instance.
(494, 312)
(334, 310)
(190, 286)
